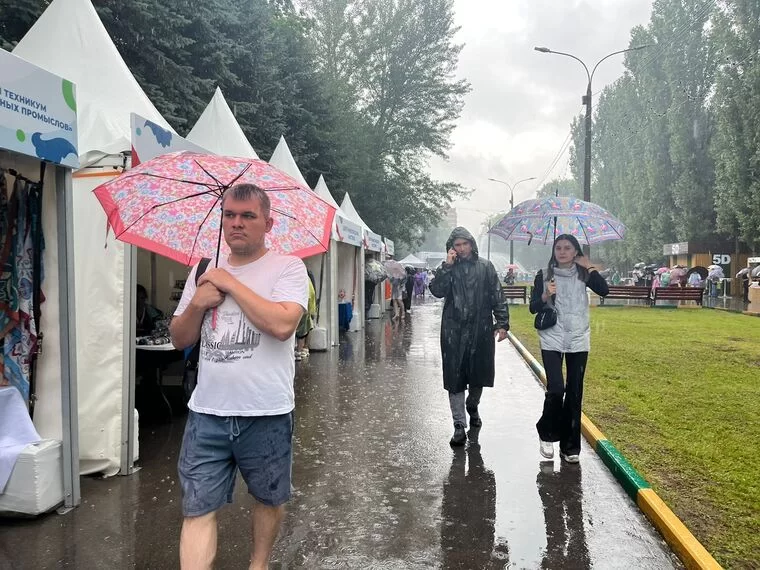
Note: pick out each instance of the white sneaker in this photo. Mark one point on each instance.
(299, 358)
(547, 449)
(570, 458)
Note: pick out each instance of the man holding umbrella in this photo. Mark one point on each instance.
(472, 292)
(245, 313)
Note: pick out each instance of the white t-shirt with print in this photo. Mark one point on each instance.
(243, 371)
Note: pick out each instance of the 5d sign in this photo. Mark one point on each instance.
(721, 259)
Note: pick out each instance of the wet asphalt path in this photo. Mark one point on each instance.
(376, 484)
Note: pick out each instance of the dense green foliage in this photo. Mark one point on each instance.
(676, 143)
(363, 90)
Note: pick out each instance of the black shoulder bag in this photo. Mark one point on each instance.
(190, 376)
(546, 318)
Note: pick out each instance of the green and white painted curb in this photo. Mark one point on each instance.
(684, 544)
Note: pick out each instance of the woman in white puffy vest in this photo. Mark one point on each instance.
(564, 288)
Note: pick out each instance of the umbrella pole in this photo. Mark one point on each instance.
(218, 247)
(219, 240)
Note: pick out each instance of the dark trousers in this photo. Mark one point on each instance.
(561, 420)
(369, 295)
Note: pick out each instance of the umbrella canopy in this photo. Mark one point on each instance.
(744, 271)
(374, 271)
(678, 273)
(395, 270)
(171, 205)
(544, 219)
(714, 267)
(715, 273)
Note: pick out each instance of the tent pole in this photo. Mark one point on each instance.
(67, 324)
(128, 383)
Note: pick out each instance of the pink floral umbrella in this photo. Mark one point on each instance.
(171, 205)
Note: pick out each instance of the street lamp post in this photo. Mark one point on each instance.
(586, 100)
(511, 205)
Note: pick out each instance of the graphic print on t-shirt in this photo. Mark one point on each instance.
(234, 339)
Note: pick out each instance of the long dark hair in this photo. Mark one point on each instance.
(582, 271)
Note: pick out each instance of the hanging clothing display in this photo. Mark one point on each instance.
(8, 291)
(20, 223)
(21, 341)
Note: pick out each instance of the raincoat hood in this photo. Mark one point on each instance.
(462, 233)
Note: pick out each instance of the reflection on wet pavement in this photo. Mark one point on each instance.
(469, 513)
(376, 484)
(561, 497)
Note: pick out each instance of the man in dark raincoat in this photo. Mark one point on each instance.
(473, 313)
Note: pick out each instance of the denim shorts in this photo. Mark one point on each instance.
(215, 447)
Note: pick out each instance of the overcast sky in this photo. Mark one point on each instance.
(518, 114)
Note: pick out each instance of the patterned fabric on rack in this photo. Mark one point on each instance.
(8, 292)
(3, 221)
(21, 340)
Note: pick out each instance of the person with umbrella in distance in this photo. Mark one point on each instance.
(398, 278)
(745, 277)
(714, 276)
(245, 313)
(473, 313)
(564, 287)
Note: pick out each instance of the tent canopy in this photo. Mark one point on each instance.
(283, 159)
(218, 130)
(324, 192)
(413, 261)
(342, 221)
(348, 207)
(70, 40)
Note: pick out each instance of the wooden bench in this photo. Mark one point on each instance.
(678, 294)
(514, 292)
(627, 292)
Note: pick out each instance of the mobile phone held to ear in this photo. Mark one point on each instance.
(452, 254)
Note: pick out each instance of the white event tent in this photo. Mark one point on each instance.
(283, 159)
(413, 261)
(70, 40)
(341, 263)
(218, 131)
(373, 248)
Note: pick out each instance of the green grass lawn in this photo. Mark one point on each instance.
(678, 392)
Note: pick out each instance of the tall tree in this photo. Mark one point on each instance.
(394, 61)
(652, 133)
(736, 146)
(17, 16)
(560, 187)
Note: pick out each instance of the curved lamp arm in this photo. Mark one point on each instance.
(547, 50)
(611, 54)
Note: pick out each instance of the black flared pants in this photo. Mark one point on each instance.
(561, 419)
